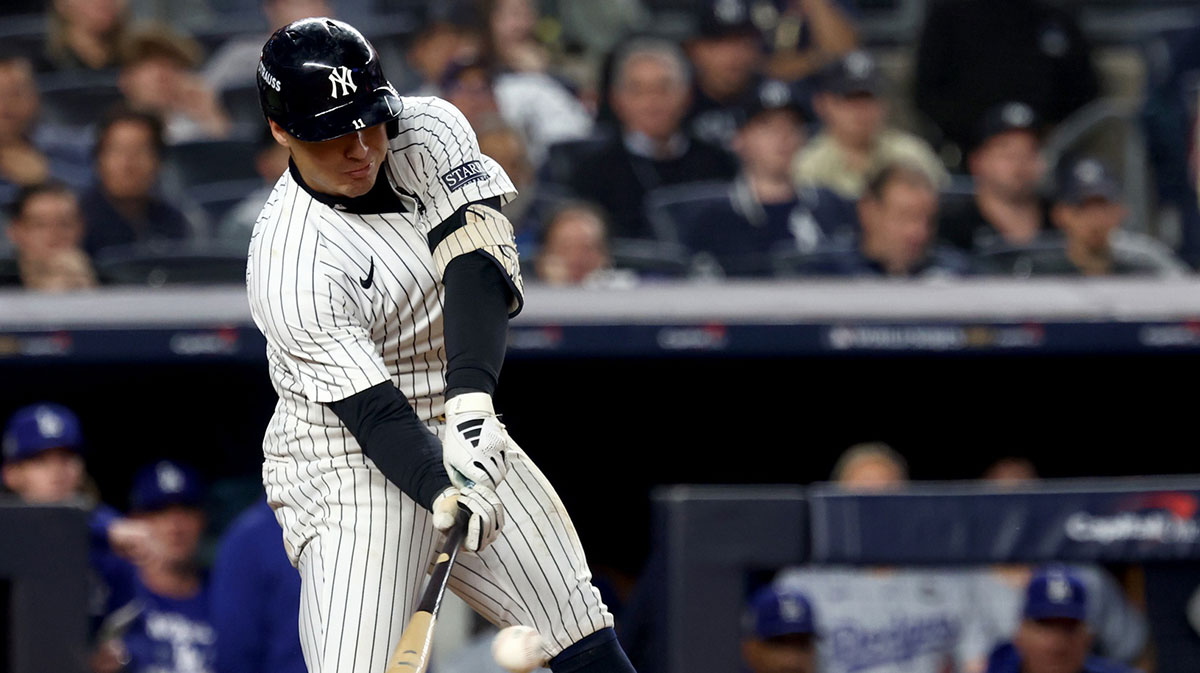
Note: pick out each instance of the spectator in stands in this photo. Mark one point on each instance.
(650, 96)
(527, 210)
(896, 217)
(779, 633)
(855, 137)
(535, 104)
(157, 77)
(574, 249)
(122, 208)
(509, 40)
(870, 466)
(1054, 636)
(808, 35)
(450, 34)
(31, 152)
(762, 213)
(727, 55)
(47, 235)
(974, 54)
(1088, 212)
(166, 618)
(1007, 167)
(270, 161)
(255, 598)
(233, 63)
(84, 34)
(1169, 114)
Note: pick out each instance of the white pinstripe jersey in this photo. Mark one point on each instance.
(348, 301)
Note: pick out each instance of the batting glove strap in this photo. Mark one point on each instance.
(487, 514)
(475, 450)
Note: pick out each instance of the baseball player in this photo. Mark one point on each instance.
(165, 625)
(383, 274)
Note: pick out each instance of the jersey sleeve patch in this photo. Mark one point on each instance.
(461, 176)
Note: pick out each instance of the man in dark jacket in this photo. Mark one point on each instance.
(650, 95)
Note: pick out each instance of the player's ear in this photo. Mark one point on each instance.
(279, 134)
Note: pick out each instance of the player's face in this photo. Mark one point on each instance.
(1053, 645)
(344, 166)
(897, 228)
(1010, 165)
(768, 143)
(49, 222)
(177, 529)
(786, 654)
(651, 98)
(50, 476)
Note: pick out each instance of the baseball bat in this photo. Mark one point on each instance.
(412, 652)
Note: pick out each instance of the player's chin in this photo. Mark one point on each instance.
(356, 187)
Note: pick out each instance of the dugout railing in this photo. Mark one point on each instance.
(43, 589)
(710, 539)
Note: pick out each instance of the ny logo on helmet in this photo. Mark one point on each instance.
(341, 75)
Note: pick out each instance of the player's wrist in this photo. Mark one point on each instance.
(470, 402)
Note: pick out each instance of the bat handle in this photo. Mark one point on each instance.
(458, 531)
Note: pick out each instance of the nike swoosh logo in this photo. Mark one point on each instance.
(366, 282)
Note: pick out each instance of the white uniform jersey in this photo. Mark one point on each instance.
(347, 301)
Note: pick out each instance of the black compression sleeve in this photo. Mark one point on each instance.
(393, 437)
(475, 322)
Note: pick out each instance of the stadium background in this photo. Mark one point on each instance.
(1085, 406)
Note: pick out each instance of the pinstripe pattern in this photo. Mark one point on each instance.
(361, 545)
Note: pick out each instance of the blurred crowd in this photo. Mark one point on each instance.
(649, 140)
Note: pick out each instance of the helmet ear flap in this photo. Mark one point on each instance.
(319, 78)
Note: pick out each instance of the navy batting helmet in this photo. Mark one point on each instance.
(320, 78)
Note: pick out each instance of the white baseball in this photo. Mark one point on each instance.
(518, 649)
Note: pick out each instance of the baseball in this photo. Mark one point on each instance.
(518, 649)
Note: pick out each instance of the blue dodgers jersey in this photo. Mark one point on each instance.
(171, 635)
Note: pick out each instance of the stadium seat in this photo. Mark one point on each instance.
(23, 33)
(217, 198)
(162, 263)
(650, 259)
(670, 209)
(209, 161)
(1021, 260)
(77, 99)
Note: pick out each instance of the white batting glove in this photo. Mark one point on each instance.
(475, 451)
(487, 514)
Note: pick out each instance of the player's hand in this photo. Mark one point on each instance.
(487, 514)
(475, 451)
(133, 541)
